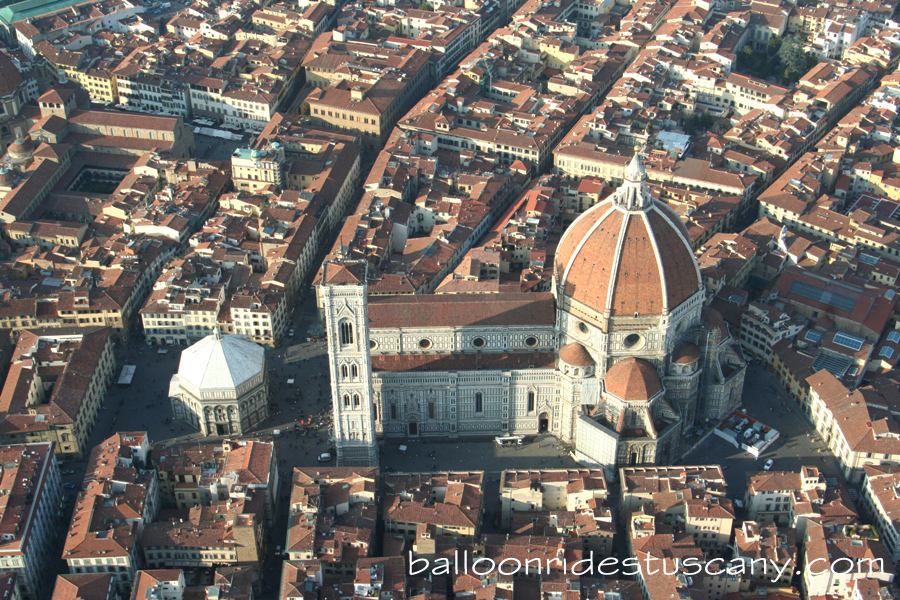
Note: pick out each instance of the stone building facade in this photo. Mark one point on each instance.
(618, 361)
(221, 387)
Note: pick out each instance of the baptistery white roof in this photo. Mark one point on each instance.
(221, 361)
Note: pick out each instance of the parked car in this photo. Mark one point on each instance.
(325, 457)
(290, 333)
(69, 486)
(769, 464)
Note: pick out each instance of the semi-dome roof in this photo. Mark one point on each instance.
(23, 146)
(575, 354)
(221, 361)
(633, 379)
(686, 354)
(628, 254)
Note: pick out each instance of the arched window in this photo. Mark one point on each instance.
(431, 409)
(375, 411)
(346, 400)
(530, 401)
(346, 329)
(355, 400)
(343, 371)
(354, 371)
(394, 411)
(479, 402)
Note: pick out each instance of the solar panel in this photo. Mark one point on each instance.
(813, 336)
(836, 365)
(894, 336)
(848, 341)
(886, 352)
(868, 259)
(811, 292)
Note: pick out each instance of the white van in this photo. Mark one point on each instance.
(509, 440)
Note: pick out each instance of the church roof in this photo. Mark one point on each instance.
(575, 354)
(221, 361)
(348, 273)
(687, 353)
(633, 379)
(460, 310)
(628, 254)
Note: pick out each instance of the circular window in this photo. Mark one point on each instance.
(478, 342)
(583, 328)
(680, 327)
(373, 344)
(531, 341)
(633, 341)
(424, 343)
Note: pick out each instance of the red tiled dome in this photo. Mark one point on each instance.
(575, 354)
(633, 379)
(628, 254)
(687, 353)
(21, 147)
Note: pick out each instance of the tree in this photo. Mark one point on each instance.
(794, 59)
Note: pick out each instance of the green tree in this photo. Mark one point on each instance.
(794, 59)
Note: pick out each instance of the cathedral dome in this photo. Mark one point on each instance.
(686, 354)
(633, 379)
(221, 362)
(576, 355)
(628, 254)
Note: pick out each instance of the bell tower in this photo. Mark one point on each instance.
(346, 313)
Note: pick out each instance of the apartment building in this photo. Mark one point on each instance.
(550, 490)
(185, 301)
(199, 474)
(55, 387)
(640, 484)
(31, 489)
(85, 586)
(333, 515)
(856, 425)
(450, 502)
(770, 494)
(224, 533)
(763, 549)
(858, 552)
(120, 496)
(881, 503)
(369, 93)
(764, 325)
(159, 584)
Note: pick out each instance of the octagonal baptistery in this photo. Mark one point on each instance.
(626, 281)
(221, 387)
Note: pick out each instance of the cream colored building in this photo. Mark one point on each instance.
(55, 387)
(552, 489)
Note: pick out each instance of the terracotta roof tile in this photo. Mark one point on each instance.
(633, 379)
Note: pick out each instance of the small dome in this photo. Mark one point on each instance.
(686, 354)
(576, 355)
(6, 176)
(633, 379)
(21, 148)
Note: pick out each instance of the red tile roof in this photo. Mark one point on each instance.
(622, 262)
(576, 354)
(451, 310)
(633, 379)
